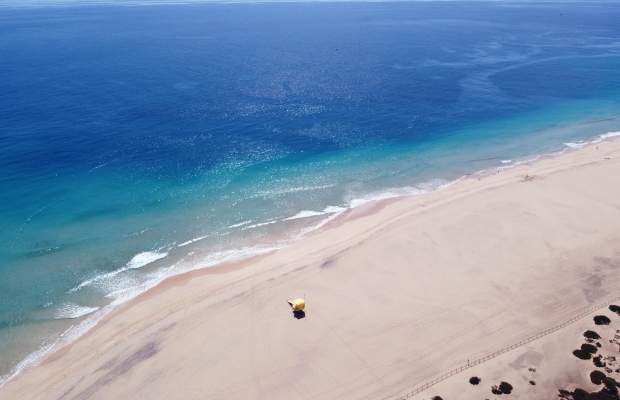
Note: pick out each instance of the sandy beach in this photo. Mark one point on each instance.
(398, 293)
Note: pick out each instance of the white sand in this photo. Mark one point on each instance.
(397, 294)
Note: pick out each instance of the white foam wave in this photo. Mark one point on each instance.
(295, 189)
(72, 311)
(575, 145)
(129, 292)
(138, 261)
(322, 223)
(311, 213)
(399, 192)
(98, 278)
(609, 135)
(304, 214)
(599, 139)
(371, 198)
(98, 166)
(68, 336)
(260, 224)
(30, 360)
(145, 258)
(123, 295)
(194, 240)
(239, 224)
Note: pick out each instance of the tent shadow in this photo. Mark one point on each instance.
(299, 314)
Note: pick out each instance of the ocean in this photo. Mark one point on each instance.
(140, 140)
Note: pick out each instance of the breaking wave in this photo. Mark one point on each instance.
(72, 311)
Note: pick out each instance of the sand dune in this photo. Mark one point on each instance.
(398, 293)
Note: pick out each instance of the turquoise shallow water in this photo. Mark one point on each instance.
(140, 142)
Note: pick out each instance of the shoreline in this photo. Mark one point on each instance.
(161, 255)
(424, 202)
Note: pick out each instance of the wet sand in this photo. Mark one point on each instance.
(397, 295)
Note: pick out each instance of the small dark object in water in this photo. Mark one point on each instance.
(597, 377)
(591, 335)
(531, 369)
(474, 380)
(598, 344)
(614, 308)
(532, 383)
(505, 387)
(601, 320)
(436, 398)
(299, 314)
(495, 390)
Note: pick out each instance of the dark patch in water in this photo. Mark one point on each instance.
(41, 252)
(299, 314)
(102, 212)
(591, 335)
(474, 380)
(46, 248)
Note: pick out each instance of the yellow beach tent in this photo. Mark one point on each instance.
(297, 304)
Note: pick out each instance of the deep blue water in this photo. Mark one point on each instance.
(127, 131)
